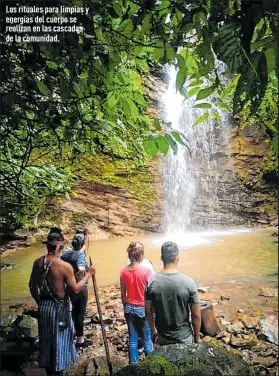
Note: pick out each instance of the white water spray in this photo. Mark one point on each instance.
(191, 181)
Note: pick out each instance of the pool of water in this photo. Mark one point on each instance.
(208, 257)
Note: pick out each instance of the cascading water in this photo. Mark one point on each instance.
(191, 181)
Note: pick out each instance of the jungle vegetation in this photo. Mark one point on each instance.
(85, 94)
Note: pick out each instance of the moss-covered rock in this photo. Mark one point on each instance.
(192, 360)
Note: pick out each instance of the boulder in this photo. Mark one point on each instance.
(244, 342)
(191, 360)
(9, 327)
(224, 336)
(224, 322)
(98, 365)
(236, 327)
(269, 329)
(250, 322)
(28, 326)
(226, 340)
(7, 322)
(265, 361)
(19, 326)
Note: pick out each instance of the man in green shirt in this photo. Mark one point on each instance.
(173, 298)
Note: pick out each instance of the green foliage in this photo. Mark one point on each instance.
(85, 94)
(270, 163)
(266, 115)
(194, 360)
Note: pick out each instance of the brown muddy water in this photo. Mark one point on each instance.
(229, 263)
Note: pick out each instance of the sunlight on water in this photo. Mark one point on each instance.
(193, 239)
(218, 256)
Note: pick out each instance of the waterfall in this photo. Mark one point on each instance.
(191, 181)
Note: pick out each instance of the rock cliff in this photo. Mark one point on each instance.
(112, 201)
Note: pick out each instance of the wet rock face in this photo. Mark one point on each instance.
(246, 196)
(269, 329)
(192, 360)
(112, 211)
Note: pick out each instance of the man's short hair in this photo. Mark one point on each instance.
(55, 235)
(169, 252)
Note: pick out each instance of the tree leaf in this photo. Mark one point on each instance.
(93, 89)
(133, 108)
(159, 52)
(112, 100)
(52, 65)
(180, 79)
(140, 100)
(150, 147)
(271, 127)
(118, 9)
(275, 144)
(193, 91)
(217, 117)
(224, 105)
(177, 137)
(202, 118)
(204, 93)
(119, 142)
(202, 105)
(157, 124)
(99, 33)
(163, 144)
(126, 107)
(43, 88)
(170, 52)
(172, 143)
(270, 59)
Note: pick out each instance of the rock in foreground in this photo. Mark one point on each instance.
(192, 360)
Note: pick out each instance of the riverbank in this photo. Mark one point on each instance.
(25, 239)
(237, 273)
(252, 331)
(228, 261)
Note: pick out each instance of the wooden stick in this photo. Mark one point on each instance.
(101, 321)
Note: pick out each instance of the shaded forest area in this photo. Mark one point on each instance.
(85, 95)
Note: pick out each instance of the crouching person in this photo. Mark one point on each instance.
(50, 280)
(133, 279)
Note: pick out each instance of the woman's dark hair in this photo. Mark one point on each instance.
(78, 242)
(81, 230)
(135, 251)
